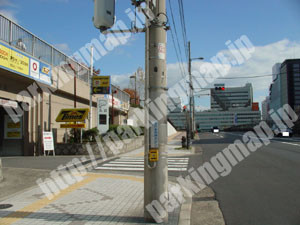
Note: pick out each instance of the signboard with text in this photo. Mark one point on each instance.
(12, 130)
(101, 85)
(48, 142)
(72, 115)
(18, 62)
(103, 115)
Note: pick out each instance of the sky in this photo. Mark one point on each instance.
(271, 26)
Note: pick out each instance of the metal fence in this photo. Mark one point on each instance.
(121, 95)
(17, 36)
(22, 39)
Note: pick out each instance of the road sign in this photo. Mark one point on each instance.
(48, 142)
(103, 115)
(70, 125)
(72, 115)
(154, 135)
(153, 155)
(101, 85)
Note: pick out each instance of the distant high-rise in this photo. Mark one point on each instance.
(265, 107)
(290, 82)
(231, 98)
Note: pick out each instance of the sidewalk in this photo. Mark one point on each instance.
(100, 198)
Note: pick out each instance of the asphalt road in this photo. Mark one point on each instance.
(264, 188)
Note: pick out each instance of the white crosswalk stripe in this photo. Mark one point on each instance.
(137, 164)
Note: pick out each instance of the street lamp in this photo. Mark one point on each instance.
(134, 76)
(112, 105)
(192, 100)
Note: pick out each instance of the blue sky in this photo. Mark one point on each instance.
(271, 25)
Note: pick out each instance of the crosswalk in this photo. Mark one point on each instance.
(137, 164)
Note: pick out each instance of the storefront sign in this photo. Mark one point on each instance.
(12, 130)
(48, 142)
(103, 115)
(72, 115)
(70, 125)
(20, 63)
(101, 85)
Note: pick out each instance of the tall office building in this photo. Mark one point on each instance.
(265, 106)
(290, 83)
(231, 98)
(230, 107)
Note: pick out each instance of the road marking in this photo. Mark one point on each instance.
(272, 139)
(137, 164)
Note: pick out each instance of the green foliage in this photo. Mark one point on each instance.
(89, 135)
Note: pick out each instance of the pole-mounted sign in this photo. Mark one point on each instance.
(101, 85)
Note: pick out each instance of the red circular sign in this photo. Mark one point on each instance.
(34, 66)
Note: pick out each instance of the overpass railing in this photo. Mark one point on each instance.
(13, 34)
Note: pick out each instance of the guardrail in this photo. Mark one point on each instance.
(20, 38)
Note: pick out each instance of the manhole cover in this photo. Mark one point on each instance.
(5, 206)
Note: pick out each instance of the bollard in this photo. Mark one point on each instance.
(1, 175)
(183, 141)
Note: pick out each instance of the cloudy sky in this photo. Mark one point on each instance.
(272, 26)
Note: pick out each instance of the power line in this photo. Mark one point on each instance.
(183, 27)
(177, 45)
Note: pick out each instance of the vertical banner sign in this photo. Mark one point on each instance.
(48, 142)
(154, 135)
(102, 115)
(12, 130)
(235, 121)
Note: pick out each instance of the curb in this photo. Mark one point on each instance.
(186, 209)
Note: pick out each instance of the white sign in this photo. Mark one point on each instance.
(34, 68)
(161, 50)
(103, 115)
(8, 103)
(154, 135)
(45, 78)
(48, 142)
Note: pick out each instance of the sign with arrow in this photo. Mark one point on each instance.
(101, 85)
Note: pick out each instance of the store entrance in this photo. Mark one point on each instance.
(11, 135)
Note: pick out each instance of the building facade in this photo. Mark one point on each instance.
(231, 98)
(265, 107)
(229, 108)
(36, 82)
(285, 88)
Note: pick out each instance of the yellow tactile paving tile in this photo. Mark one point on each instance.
(37, 205)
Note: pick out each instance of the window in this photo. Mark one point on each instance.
(102, 119)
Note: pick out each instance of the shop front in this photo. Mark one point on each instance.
(11, 130)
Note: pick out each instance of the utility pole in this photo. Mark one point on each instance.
(135, 89)
(90, 90)
(156, 172)
(191, 96)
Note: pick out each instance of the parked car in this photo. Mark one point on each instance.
(215, 129)
(282, 131)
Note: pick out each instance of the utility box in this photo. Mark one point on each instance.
(104, 14)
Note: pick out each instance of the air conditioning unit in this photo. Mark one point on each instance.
(104, 14)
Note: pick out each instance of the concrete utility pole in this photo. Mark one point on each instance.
(156, 172)
(192, 98)
(91, 92)
(191, 126)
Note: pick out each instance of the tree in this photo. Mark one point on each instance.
(134, 97)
